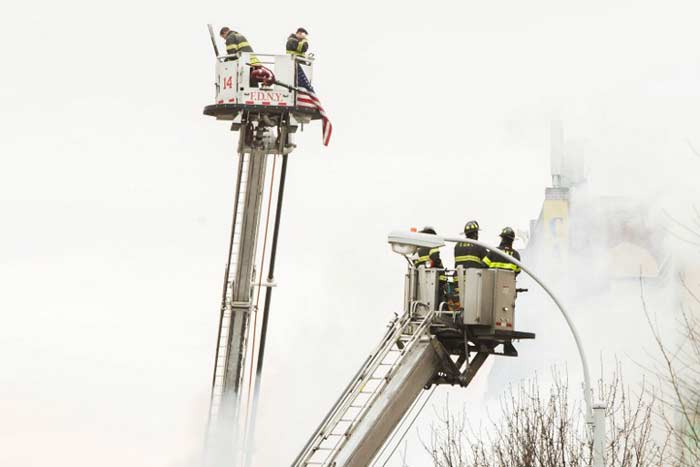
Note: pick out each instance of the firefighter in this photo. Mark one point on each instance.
(430, 258)
(494, 261)
(297, 44)
(469, 255)
(236, 43)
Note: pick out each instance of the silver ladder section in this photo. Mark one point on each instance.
(222, 347)
(236, 305)
(376, 398)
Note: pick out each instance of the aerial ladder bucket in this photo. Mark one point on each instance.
(428, 345)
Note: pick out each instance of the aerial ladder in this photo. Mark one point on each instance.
(430, 344)
(434, 342)
(259, 96)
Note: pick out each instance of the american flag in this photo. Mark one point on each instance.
(307, 98)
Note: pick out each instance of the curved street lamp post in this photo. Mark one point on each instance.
(595, 412)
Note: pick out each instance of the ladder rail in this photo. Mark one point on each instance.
(225, 424)
(348, 401)
(359, 416)
(234, 344)
(226, 314)
(377, 361)
(252, 220)
(342, 396)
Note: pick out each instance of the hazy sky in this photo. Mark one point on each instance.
(115, 190)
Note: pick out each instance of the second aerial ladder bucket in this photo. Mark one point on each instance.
(428, 345)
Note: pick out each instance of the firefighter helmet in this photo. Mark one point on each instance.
(471, 226)
(508, 233)
(428, 230)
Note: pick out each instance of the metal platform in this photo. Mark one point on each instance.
(502, 335)
(229, 111)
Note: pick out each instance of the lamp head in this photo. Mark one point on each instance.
(406, 243)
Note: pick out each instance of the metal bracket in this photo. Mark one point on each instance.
(449, 373)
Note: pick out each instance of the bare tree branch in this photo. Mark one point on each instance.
(538, 429)
(681, 374)
(673, 234)
(692, 148)
(696, 219)
(679, 223)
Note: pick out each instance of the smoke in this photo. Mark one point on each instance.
(116, 199)
(633, 228)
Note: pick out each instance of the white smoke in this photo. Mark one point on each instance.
(116, 196)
